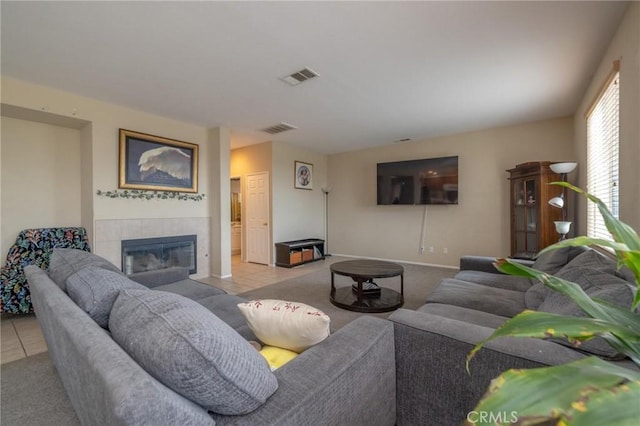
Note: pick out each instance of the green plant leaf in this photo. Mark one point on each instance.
(620, 231)
(594, 308)
(575, 329)
(616, 406)
(589, 387)
(569, 289)
(585, 392)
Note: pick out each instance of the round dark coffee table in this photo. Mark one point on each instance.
(365, 295)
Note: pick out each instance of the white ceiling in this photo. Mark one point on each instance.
(388, 70)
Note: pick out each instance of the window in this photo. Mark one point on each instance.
(602, 153)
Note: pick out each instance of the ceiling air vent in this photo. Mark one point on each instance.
(279, 128)
(300, 76)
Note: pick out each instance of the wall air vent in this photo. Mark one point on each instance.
(300, 76)
(278, 128)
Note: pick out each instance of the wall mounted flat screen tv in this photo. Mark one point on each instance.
(425, 181)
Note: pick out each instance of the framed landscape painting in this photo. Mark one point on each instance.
(303, 178)
(154, 163)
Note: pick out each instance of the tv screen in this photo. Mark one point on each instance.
(426, 181)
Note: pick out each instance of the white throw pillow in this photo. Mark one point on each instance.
(289, 325)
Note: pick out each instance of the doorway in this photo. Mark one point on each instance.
(236, 217)
(257, 224)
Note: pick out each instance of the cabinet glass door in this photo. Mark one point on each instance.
(526, 214)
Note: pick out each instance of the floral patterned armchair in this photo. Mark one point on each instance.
(33, 247)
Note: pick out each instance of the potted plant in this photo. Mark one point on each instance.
(589, 391)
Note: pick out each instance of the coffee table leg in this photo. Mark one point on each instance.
(402, 284)
(359, 291)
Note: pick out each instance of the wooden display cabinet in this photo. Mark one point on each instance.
(532, 227)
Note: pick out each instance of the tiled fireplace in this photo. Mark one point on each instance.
(110, 233)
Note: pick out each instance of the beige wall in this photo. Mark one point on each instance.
(626, 47)
(102, 135)
(40, 177)
(295, 213)
(479, 224)
(97, 150)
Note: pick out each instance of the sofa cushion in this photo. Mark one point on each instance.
(192, 351)
(534, 297)
(552, 261)
(65, 262)
(590, 259)
(289, 325)
(509, 282)
(158, 277)
(471, 316)
(498, 301)
(190, 289)
(95, 289)
(225, 307)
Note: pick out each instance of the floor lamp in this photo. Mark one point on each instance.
(325, 191)
(562, 226)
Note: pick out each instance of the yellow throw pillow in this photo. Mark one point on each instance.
(277, 357)
(289, 325)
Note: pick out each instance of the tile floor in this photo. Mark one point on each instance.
(20, 335)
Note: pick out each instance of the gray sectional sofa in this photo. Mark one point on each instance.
(349, 378)
(406, 371)
(433, 341)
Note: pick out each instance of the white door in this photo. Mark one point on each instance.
(257, 212)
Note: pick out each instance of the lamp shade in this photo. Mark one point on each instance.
(562, 227)
(557, 202)
(563, 167)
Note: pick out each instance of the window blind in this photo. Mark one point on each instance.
(603, 132)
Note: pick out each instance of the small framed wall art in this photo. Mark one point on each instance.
(154, 163)
(303, 178)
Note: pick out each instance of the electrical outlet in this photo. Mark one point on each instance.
(445, 250)
(431, 249)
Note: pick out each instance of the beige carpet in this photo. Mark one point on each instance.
(32, 394)
(313, 289)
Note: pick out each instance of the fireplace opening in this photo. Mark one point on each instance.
(148, 254)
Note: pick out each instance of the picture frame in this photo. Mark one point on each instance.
(153, 163)
(303, 175)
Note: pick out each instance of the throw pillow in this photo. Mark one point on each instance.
(95, 289)
(65, 262)
(552, 261)
(597, 284)
(191, 351)
(590, 259)
(289, 325)
(536, 294)
(277, 357)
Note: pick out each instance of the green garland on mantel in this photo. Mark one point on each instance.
(150, 195)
